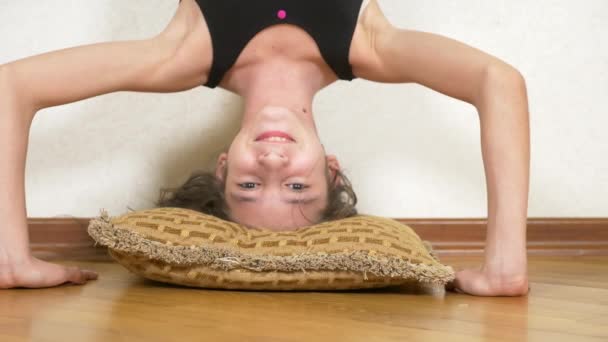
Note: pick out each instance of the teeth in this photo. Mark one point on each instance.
(277, 139)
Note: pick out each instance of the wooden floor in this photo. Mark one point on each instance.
(568, 301)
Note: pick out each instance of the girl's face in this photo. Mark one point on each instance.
(280, 185)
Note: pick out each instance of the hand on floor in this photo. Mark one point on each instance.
(477, 282)
(36, 273)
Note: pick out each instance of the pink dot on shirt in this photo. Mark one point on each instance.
(282, 14)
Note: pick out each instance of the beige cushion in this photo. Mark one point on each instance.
(186, 247)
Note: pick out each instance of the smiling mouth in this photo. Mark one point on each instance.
(275, 137)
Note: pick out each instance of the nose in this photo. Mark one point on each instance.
(273, 159)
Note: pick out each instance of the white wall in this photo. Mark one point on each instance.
(421, 158)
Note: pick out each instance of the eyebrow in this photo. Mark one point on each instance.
(242, 198)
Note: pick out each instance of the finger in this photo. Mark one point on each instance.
(74, 275)
(91, 275)
(453, 287)
(457, 283)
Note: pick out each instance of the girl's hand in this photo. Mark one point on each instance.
(35, 273)
(479, 282)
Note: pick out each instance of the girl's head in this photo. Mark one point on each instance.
(280, 185)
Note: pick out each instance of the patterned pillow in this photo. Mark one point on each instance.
(186, 247)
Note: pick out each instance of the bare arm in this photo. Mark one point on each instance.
(498, 91)
(172, 61)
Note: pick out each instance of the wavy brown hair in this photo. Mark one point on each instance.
(204, 192)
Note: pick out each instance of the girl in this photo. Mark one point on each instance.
(277, 55)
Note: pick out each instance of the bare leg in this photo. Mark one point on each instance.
(177, 59)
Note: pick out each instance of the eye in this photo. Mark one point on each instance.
(299, 186)
(247, 185)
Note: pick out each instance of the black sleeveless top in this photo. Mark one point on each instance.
(233, 23)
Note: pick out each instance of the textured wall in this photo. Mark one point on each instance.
(410, 151)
